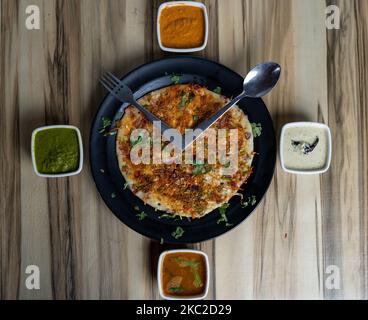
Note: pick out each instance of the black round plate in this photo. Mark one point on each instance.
(110, 182)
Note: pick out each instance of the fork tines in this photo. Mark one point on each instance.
(109, 81)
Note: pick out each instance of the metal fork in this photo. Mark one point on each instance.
(123, 93)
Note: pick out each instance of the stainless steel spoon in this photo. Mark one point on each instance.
(258, 82)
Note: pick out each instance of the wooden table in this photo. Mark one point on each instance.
(304, 225)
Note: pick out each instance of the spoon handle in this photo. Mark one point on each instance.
(211, 120)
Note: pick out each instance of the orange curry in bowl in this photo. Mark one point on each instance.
(182, 26)
(183, 274)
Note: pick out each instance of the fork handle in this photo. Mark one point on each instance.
(151, 117)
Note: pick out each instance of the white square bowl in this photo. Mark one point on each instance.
(306, 124)
(189, 3)
(159, 279)
(59, 175)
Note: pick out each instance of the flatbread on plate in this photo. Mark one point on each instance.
(190, 190)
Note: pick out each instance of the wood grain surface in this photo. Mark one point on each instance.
(284, 249)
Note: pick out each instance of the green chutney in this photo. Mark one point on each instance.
(56, 150)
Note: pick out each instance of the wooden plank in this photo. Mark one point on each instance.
(345, 185)
(10, 207)
(277, 252)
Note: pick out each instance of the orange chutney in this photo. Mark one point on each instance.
(182, 26)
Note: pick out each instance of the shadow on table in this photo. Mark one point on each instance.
(281, 118)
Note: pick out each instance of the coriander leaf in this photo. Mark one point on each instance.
(141, 216)
(251, 201)
(168, 216)
(197, 279)
(113, 195)
(227, 164)
(195, 118)
(162, 241)
(185, 262)
(126, 184)
(136, 208)
(135, 142)
(105, 124)
(254, 201)
(217, 90)
(178, 233)
(175, 78)
(111, 133)
(224, 207)
(176, 289)
(193, 265)
(257, 129)
(200, 168)
(184, 100)
(223, 217)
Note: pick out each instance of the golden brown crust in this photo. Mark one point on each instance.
(184, 189)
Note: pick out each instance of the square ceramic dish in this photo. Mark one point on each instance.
(159, 278)
(188, 3)
(329, 147)
(59, 175)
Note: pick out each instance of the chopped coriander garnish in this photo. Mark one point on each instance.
(185, 262)
(136, 208)
(193, 265)
(178, 289)
(251, 201)
(175, 78)
(111, 133)
(135, 142)
(178, 233)
(254, 201)
(162, 241)
(167, 216)
(227, 164)
(113, 195)
(126, 184)
(217, 90)
(197, 279)
(223, 208)
(257, 129)
(195, 118)
(223, 218)
(105, 124)
(184, 100)
(141, 216)
(200, 168)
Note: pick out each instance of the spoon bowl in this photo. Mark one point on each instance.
(261, 79)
